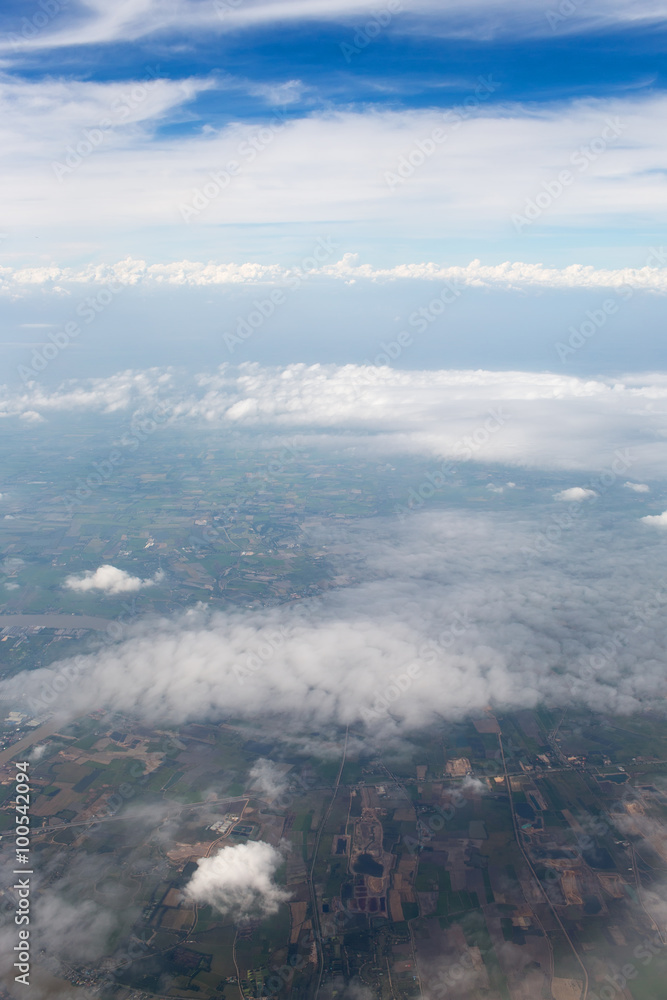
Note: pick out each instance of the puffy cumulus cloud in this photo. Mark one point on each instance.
(450, 613)
(637, 487)
(269, 778)
(576, 493)
(657, 520)
(196, 274)
(239, 881)
(127, 390)
(524, 418)
(111, 580)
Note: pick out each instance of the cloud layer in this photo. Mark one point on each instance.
(489, 164)
(196, 274)
(530, 419)
(447, 614)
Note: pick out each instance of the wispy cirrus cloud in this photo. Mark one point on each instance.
(493, 162)
(95, 23)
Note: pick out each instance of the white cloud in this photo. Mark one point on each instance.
(195, 274)
(114, 394)
(239, 881)
(110, 580)
(346, 656)
(129, 20)
(493, 161)
(637, 487)
(268, 778)
(576, 493)
(533, 419)
(658, 520)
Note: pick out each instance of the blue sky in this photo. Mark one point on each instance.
(244, 131)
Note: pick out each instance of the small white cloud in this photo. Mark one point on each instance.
(268, 779)
(12, 586)
(111, 580)
(637, 487)
(577, 493)
(238, 881)
(32, 417)
(474, 785)
(658, 520)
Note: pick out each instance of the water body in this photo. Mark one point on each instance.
(56, 621)
(367, 865)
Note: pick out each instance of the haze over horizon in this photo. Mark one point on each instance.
(333, 501)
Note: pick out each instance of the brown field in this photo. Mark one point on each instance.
(176, 920)
(173, 898)
(298, 914)
(65, 798)
(566, 989)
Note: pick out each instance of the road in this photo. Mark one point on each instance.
(317, 926)
(519, 840)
